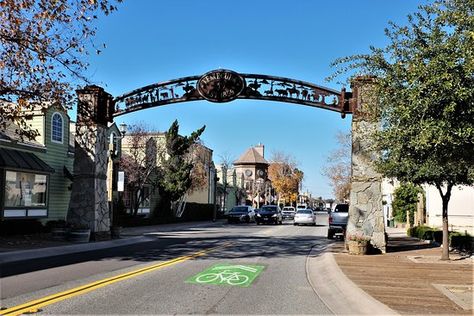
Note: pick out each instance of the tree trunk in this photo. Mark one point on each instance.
(445, 197)
(445, 254)
(132, 201)
(224, 207)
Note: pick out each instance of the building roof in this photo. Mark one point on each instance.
(10, 134)
(251, 156)
(16, 159)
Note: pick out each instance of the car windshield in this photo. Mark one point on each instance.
(269, 208)
(238, 210)
(304, 212)
(342, 208)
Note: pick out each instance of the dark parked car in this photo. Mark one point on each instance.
(241, 214)
(269, 214)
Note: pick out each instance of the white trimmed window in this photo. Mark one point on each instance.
(25, 194)
(57, 128)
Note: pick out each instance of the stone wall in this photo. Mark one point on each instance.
(365, 210)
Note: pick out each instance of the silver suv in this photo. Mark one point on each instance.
(338, 220)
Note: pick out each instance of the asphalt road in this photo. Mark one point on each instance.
(281, 288)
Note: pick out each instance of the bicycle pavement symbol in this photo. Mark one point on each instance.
(228, 274)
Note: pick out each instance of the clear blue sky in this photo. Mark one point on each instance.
(152, 41)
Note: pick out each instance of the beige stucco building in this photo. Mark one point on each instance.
(154, 145)
(460, 208)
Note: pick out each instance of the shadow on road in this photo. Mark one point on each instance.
(169, 245)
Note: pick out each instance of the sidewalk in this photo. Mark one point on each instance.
(410, 278)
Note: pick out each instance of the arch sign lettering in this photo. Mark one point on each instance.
(224, 85)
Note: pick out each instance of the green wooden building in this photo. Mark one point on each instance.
(36, 175)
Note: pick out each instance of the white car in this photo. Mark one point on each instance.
(288, 212)
(305, 217)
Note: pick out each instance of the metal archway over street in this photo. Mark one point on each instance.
(96, 108)
(224, 85)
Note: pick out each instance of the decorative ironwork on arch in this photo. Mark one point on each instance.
(224, 85)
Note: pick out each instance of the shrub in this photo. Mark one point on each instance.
(20, 227)
(55, 224)
(358, 237)
(426, 233)
(192, 212)
(456, 240)
(464, 242)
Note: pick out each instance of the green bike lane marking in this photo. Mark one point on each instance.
(228, 274)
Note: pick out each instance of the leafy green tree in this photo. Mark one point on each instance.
(423, 86)
(174, 178)
(405, 200)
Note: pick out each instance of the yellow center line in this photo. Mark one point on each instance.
(34, 305)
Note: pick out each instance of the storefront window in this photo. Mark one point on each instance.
(25, 189)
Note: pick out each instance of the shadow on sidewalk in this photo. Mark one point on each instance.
(404, 243)
(394, 244)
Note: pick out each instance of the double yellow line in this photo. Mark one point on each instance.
(34, 306)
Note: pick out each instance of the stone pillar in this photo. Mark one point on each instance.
(365, 209)
(88, 205)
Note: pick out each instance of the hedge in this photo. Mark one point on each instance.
(21, 227)
(456, 239)
(192, 212)
(460, 241)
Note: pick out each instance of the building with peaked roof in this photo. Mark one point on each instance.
(252, 164)
(252, 170)
(36, 175)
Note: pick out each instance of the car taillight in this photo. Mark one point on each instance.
(330, 219)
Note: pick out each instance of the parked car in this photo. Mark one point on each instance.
(243, 213)
(269, 214)
(305, 217)
(338, 220)
(288, 212)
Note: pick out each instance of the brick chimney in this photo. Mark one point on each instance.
(260, 148)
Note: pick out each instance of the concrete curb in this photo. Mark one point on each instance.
(31, 254)
(337, 291)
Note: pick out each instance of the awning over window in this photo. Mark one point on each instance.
(16, 159)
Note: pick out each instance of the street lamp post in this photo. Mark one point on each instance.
(259, 183)
(214, 215)
(114, 230)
